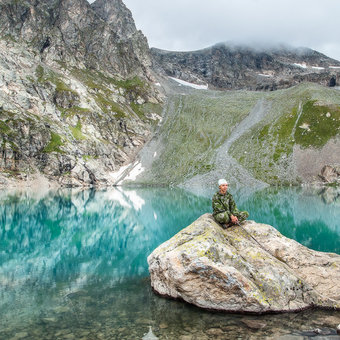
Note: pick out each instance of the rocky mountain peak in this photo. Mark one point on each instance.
(117, 15)
(231, 66)
(73, 31)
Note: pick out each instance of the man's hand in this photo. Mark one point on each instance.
(234, 219)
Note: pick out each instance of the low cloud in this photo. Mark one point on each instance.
(191, 24)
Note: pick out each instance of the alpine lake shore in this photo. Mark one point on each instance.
(75, 264)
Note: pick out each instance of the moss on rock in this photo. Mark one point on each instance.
(76, 131)
(55, 143)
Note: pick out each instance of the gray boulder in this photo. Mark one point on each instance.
(330, 174)
(249, 268)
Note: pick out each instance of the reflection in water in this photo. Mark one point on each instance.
(73, 262)
(330, 195)
(299, 213)
(64, 241)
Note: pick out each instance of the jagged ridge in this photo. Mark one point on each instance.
(228, 66)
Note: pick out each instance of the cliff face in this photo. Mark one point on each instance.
(73, 31)
(116, 14)
(76, 93)
(225, 66)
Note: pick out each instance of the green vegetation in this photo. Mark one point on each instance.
(134, 86)
(99, 81)
(131, 84)
(54, 144)
(12, 125)
(107, 105)
(62, 64)
(76, 131)
(142, 110)
(138, 110)
(322, 122)
(93, 79)
(106, 89)
(307, 115)
(195, 126)
(45, 76)
(9, 37)
(101, 104)
(9, 128)
(87, 157)
(39, 72)
(152, 107)
(72, 111)
(4, 128)
(62, 87)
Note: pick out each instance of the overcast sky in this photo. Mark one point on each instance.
(184, 25)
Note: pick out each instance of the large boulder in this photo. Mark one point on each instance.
(330, 174)
(249, 268)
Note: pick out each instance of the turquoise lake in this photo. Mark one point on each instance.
(73, 262)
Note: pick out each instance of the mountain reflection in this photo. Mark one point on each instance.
(82, 236)
(309, 215)
(59, 242)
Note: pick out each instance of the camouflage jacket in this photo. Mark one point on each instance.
(224, 205)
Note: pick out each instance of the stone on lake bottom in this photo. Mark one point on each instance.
(254, 324)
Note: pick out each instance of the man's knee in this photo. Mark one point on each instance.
(222, 218)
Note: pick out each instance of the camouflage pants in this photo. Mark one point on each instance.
(223, 218)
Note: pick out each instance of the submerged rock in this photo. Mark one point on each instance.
(249, 268)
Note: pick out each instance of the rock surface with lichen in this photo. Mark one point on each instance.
(249, 268)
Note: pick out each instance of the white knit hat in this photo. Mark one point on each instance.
(222, 181)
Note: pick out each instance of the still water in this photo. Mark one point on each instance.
(73, 263)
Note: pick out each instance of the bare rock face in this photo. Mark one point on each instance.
(115, 13)
(252, 268)
(75, 90)
(73, 31)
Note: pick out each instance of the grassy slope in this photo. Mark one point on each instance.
(307, 115)
(196, 125)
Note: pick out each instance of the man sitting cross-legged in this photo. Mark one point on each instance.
(224, 208)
